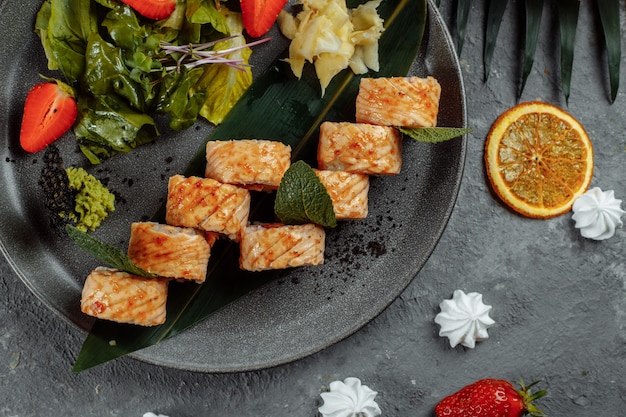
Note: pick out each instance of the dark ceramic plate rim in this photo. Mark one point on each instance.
(305, 314)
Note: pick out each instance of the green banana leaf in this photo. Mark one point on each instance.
(568, 21)
(277, 106)
(609, 15)
(494, 18)
(534, 10)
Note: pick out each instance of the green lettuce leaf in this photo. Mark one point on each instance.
(106, 73)
(176, 20)
(41, 29)
(205, 12)
(111, 4)
(69, 26)
(127, 33)
(224, 84)
(107, 125)
(139, 46)
(181, 98)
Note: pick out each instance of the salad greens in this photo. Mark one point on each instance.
(122, 75)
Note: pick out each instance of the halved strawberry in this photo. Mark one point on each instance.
(49, 111)
(259, 15)
(152, 9)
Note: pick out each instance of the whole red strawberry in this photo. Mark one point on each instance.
(490, 398)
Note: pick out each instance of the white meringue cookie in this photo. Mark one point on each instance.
(464, 319)
(597, 214)
(349, 399)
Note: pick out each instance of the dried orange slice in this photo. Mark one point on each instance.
(539, 159)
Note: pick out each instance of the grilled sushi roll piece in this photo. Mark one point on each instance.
(253, 164)
(207, 204)
(171, 251)
(118, 296)
(359, 148)
(278, 246)
(348, 192)
(398, 101)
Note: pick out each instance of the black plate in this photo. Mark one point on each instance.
(368, 263)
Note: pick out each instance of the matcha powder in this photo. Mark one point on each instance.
(93, 200)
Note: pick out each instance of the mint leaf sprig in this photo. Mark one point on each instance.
(302, 198)
(434, 134)
(110, 255)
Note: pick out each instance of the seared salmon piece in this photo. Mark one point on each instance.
(171, 251)
(119, 296)
(207, 204)
(278, 246)
(398, 101)
(348, 192)
(253, 164)
(359, 148)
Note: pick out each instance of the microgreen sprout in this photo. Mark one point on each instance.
(194, 55)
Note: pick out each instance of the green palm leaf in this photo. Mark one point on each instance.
(568, 21)
(494, 18)
(567, 10)
(277, 106)
(534, 9)
(609, 15)
(462, 16)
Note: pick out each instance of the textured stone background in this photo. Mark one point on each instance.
(559, 300)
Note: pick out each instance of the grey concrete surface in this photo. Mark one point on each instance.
(559, 300)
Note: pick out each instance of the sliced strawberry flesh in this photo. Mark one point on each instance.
(49, 111)
(259, 15)
(153, 9)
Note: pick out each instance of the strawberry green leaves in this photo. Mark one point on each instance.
(302, 198)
